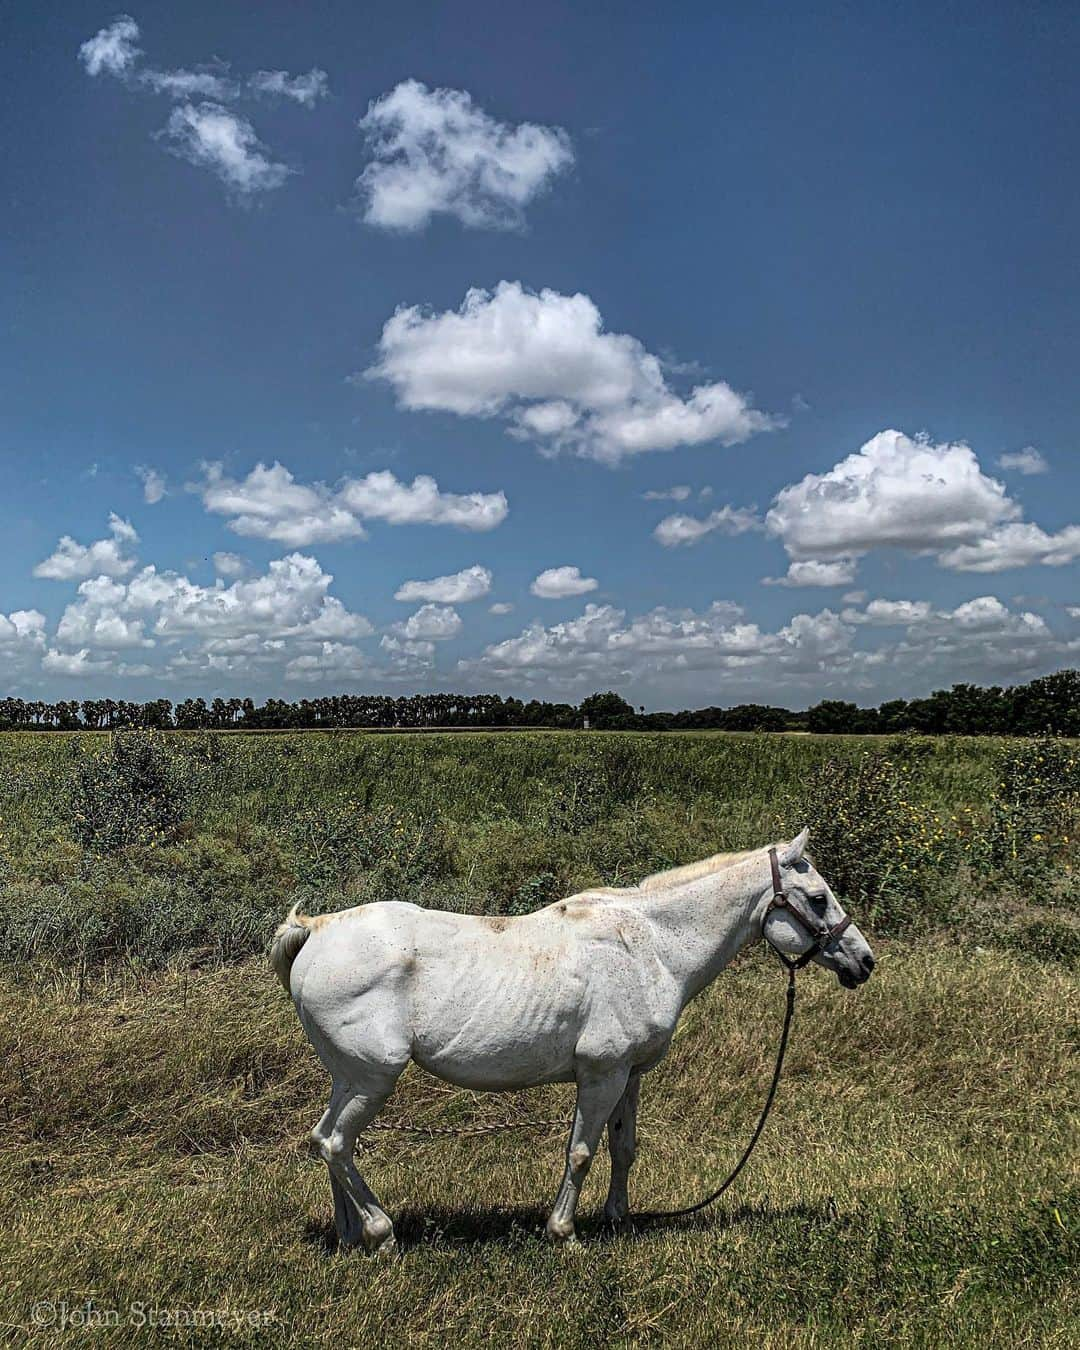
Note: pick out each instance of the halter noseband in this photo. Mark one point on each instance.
(819, 931)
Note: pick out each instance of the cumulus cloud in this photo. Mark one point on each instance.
(433, 151)
(206, 134)
(270, 504)
(816, 651)
(329, 661)
(889, 613)
(544, 362)
(812, 572)
(1027, 461)
(603, 644)
(910, 494)
(229, 564)
(22, 638)
(556, 583)
(679, 529)
(381, 496)
(112, 50)
(303, 89)
(1018, 545)
(897, 491)
(470, 584)
(105, 557)
(501, 607)
(154, 485)
(213, 137)
(280, 616)
(430, 623)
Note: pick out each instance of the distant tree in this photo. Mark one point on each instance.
(607, 712)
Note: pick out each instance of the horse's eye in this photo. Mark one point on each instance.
(819, 899)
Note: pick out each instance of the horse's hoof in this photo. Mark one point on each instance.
(379, 1237)
(386, 1250)
(560, 1235)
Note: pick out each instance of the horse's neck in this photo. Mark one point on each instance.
(701, 925)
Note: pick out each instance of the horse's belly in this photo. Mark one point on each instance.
(495, 1029)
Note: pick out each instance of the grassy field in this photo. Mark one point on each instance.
(917, 1184)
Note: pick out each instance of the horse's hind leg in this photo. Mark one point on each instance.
(622, 1140)
(358, 1216)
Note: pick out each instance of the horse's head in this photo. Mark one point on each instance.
(800, 916)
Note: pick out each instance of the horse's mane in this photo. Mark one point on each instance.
(678, 876)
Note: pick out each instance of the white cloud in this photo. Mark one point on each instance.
(74, 663)
(895, 491)
(229, 564)
(889, 613)
(602, 644)
(910, 494)
(679, 529)
(501, 607)
(154, 485)
(22, 638)
(673, 494)
(812, 572)
(544, 362)
(303, 89)
(470, 584)
(105, 557)
(802, 659)
(211, 83)
(1027, 461)
(283, 613)
(381, 496)
(270, 504)
(433, 151)
(430, 623)
(558, 582)
(213, 137)
(1017, 545)
(330, 661)
(408, 660)
(112, 50)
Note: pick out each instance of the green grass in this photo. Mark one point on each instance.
(917, 1183)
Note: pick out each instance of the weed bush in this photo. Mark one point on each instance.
(875, 842)
(134, 791)
(1035, 805)
(350, 847)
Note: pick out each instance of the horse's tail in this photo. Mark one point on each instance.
(289, 938)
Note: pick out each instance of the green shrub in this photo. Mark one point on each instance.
(875, 844)
(1035, 805)
(345, 845)
(134, 791)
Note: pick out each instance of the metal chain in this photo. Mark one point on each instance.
(455, 1132)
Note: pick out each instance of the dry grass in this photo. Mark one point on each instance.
(916, 1185)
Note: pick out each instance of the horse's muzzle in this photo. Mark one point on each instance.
(852, 976)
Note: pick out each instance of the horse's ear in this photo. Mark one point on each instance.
(791, 852)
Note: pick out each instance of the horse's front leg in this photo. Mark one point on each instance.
(598, 1092)
(622, 1144)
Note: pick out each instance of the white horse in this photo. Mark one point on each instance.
(587, 990)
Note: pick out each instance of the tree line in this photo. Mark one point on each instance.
(1050, 705)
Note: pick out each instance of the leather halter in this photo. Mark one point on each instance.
(820, 932)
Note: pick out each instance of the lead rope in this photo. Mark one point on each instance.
(650, 1215)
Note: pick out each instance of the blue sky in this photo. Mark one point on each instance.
(811, 274)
